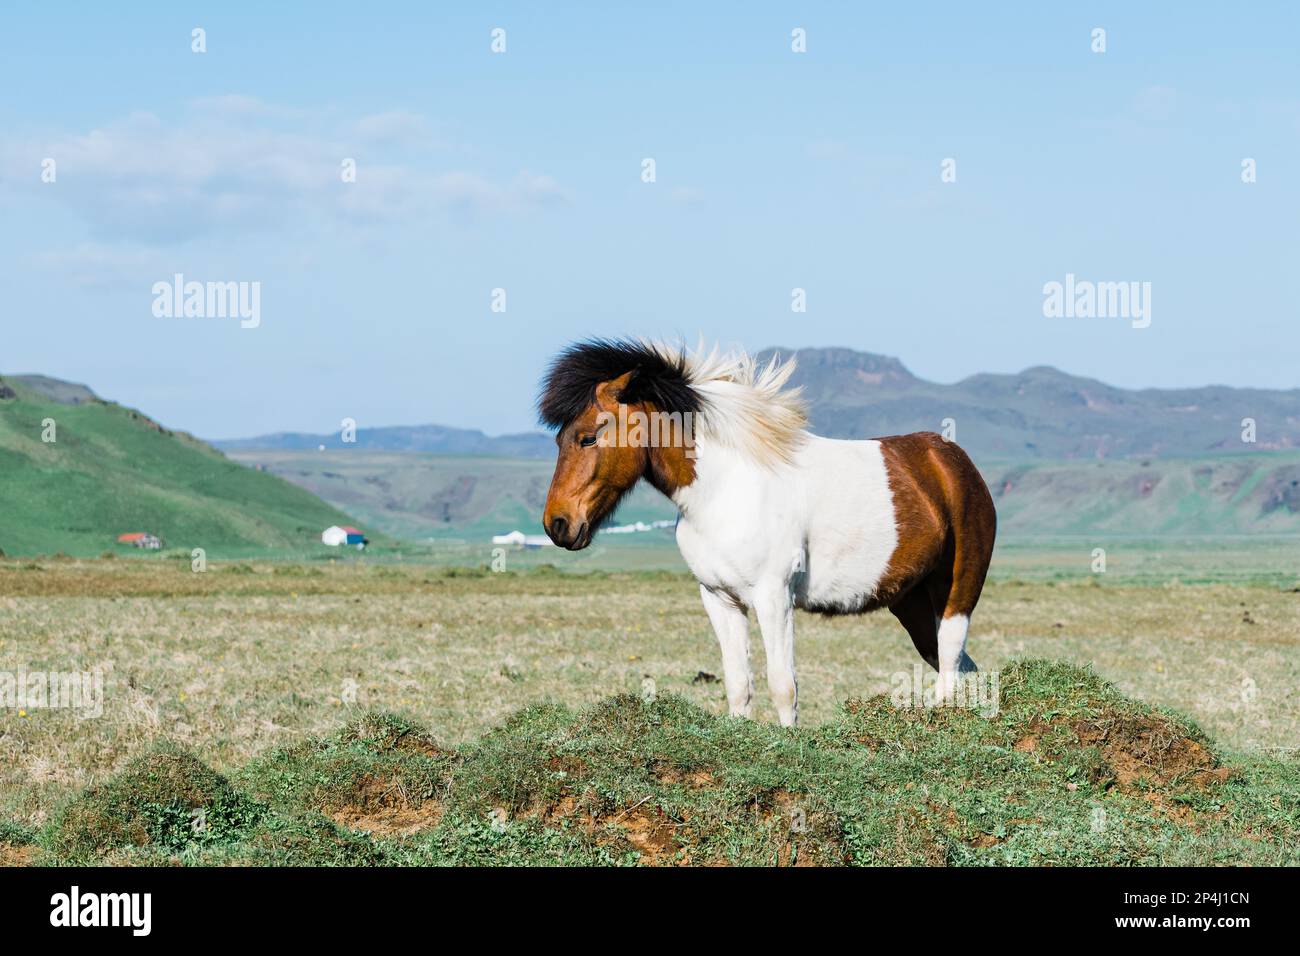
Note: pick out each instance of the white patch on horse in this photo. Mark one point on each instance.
(740, 523)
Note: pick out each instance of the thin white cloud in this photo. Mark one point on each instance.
(239, 105)
(397, 127)
(1149, 110)
(94, 266)
(222, 169)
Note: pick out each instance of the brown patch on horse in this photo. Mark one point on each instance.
(946, 525)
(915, 611)
(917, 488)
(672, 465)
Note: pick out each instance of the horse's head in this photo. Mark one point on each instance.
(592, 393)
(593, 470)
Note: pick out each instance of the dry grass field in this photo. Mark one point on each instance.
(246, 657)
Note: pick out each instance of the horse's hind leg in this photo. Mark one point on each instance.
(951, 625)
(915, 611)
(971, 552)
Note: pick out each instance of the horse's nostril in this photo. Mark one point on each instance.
(558, 527)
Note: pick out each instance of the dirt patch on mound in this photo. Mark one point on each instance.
(413, 743)
(17, 855)
(643, 827)
(383, 808)
(782, 803)
(650, 832)
(697, 779)
(1134, 748)
(804, 837)
(1179, 813)
(917, 841)
(1151, 749)
(797, 837)
(1026, 744)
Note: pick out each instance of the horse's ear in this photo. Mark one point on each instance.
(617, 391)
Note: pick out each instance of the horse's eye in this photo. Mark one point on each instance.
(586, 441)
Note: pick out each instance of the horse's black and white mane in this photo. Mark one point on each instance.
(735, 401)
(659, 376)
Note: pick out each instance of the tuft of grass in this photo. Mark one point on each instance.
(164, 803)
(17, 844)
(1068, 772)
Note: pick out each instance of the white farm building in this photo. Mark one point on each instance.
(336, 535)
(517, 539)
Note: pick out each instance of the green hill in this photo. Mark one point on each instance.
(112, 470)
(1241, 494)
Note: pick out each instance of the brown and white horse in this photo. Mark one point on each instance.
(772, 517)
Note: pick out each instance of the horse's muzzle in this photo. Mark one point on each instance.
(562, 532)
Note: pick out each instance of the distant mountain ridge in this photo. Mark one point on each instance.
(417, 496)
(1040, 413)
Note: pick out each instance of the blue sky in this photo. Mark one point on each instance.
(522, 171)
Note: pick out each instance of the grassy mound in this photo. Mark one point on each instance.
(1068, 772)
(166, 802)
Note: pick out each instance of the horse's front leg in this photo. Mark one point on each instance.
(774, 606)
(731, 624)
